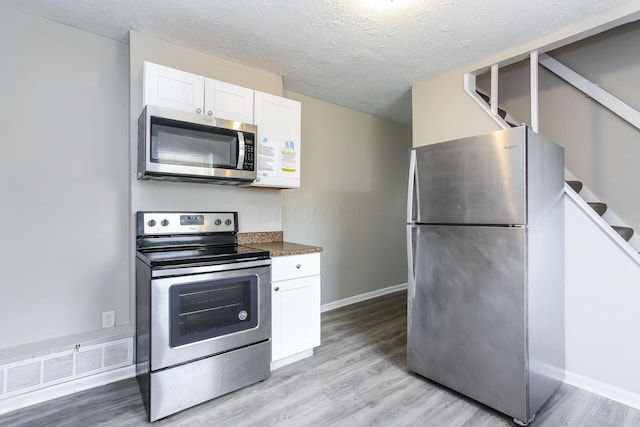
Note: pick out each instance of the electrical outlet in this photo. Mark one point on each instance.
(108, 319)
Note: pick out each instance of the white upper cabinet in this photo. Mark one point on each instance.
(180, 90)
(278, 119)
(278, 142)
(168, 87)
(228, 101)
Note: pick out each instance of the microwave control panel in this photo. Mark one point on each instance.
(249, 152)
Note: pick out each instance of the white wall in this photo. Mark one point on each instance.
(352, 199)
(63, 180)
(442, 111)
(602, 317)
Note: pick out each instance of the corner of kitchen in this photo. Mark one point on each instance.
(219, 156)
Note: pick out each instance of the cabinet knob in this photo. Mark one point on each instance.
(277, 288)
(210, 113)
(258, 179)
(198, 110)
(298, 266)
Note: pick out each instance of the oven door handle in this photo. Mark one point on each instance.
(184, 271)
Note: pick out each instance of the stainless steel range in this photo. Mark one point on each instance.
(203, 310)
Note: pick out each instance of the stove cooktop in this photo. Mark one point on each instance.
(182, 257)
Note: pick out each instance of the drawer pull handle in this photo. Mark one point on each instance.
(277, 288)
(298, 266)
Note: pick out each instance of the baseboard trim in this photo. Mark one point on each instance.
(603, 389)
(362, 297)
(64, 389)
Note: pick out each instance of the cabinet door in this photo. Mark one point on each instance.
(295, 316)
(227, 101)
(168, 87)
(278, 120)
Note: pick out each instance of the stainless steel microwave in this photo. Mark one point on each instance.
(181, 146)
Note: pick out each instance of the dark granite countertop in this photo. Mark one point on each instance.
(272, 241)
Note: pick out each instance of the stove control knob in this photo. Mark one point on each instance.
(152, 223)
(164, 223)
(228, 222)
(218, 222)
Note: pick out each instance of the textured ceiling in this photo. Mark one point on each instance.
(362, 54)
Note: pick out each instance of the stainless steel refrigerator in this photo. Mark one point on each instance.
(485, 242)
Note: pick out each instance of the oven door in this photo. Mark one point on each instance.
(199, 315)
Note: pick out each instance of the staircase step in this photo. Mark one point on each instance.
(502, 113)
(576, 185)
(599, 207)
(625, 232)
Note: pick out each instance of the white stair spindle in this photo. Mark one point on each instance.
(534, 90)
(494, 89)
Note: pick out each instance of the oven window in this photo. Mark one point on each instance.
(199, 146)
(210, 309)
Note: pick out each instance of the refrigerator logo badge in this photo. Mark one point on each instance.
(510, 147)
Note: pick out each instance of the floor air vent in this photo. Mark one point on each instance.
(38, 372)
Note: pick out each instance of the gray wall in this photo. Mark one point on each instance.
(352, 201)
(602, 150)
(63, 180)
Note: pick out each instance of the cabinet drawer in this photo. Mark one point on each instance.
(293, 266)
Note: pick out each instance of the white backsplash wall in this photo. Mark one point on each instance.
(63, 180)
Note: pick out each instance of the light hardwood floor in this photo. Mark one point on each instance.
(357, 377)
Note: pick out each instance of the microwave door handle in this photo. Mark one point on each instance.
(240, 150)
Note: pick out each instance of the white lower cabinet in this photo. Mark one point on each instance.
(295, 308)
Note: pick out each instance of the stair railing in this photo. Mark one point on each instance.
(472, 91)
(592, 90)
(491, 108)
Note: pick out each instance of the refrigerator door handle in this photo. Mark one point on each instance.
(411, 187)
(411, 281)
